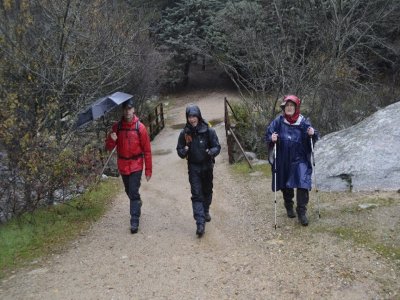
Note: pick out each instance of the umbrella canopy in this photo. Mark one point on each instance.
(101, 106)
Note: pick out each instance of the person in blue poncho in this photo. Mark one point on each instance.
(292, 133)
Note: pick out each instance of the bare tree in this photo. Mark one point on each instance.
(324, 51)
(57, 56)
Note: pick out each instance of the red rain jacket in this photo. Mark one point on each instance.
(133, 148)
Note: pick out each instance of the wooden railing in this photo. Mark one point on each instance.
(231, 137)
(155, 121)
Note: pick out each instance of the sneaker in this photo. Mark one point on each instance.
(200, 230)
(207, 217)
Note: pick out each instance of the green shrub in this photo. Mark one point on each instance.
(32, 235)
(250, 129)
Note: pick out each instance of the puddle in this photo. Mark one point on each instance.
(213, 122)
(161, 152)
(178, 126)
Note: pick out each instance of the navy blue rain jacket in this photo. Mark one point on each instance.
(293, 155)
(203, 138)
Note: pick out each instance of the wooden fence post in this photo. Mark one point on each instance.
(230, 135)
(229, 138)
(156, 122)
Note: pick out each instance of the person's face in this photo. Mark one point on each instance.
(129, 113)
(193, 120)
(290, 108)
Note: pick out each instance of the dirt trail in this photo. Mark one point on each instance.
(241, 256)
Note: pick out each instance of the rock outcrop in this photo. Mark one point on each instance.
(363, 157)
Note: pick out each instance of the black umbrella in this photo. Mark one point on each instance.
(101, 106)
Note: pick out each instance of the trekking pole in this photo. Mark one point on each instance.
(108, 160)
(275, 181)
(315, 178)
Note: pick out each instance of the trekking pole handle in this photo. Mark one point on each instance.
(275, 156)
(312, 151)
(277, 136)
(312, 145)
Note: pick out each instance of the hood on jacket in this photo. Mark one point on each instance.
(292, 98)
(193, 110)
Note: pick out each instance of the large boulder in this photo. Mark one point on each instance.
(363, 157)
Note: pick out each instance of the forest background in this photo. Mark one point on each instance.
(342, 58)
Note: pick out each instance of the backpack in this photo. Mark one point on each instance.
(119, 128)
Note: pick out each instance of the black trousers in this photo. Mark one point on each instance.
(201, 187)
(132, 185)
(301, 198)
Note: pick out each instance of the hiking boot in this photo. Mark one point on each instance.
(289, 204)
(303, 219)
(134, 228)
(207, 217)
(290, 212)
(200, 230)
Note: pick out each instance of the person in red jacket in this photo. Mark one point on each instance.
(130, 137)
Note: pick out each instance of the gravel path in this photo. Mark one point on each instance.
(241, 256)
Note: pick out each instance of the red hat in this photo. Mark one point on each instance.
(292, 98)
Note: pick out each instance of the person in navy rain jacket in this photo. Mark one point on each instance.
(292, 133)
(198, 143)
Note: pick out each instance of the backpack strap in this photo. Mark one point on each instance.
(209, 141)
(137, 124)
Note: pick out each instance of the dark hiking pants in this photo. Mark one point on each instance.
(301, 199)
(132, 185)
(201, 186)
